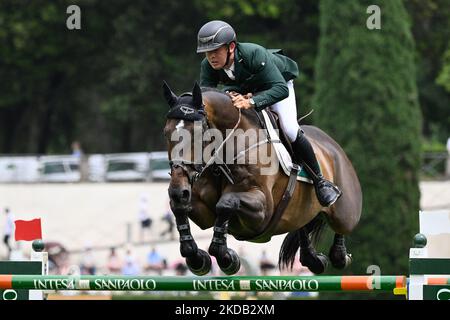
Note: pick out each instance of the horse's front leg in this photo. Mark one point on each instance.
(248, 206)
(197, 260)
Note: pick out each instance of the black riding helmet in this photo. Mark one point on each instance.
(213, 35)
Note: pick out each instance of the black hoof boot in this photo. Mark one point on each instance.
(233, 265)
(315, 262)
(200, 264)
(339, 257)
(188, 248)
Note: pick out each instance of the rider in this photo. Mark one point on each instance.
(247, 68)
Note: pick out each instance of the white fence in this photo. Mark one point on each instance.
(436, 164)
(142, 166)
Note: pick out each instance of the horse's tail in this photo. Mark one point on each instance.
(291, 242)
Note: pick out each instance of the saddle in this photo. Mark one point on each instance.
(275, 121)
(269, 120)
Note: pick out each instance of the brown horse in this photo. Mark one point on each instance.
(239, 199)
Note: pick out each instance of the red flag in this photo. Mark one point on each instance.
(28, 230)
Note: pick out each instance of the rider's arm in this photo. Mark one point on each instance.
(267, 75)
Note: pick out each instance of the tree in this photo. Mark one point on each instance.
(366, 98)
(44, 67)
(431, 30)
(444, 76)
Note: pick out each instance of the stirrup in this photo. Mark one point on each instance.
(327, 193)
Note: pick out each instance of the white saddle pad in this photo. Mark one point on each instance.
(282, 154)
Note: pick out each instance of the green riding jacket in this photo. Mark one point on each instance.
(258, 70)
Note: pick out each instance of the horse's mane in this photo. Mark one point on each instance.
(249, 114)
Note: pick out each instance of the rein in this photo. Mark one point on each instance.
(223, 166)
(197, 170)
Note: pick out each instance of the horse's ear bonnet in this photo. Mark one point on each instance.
(169, 95)
(189, 106)
(197, 95)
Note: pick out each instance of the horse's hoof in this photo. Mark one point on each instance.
(348, 260)
(339, 258)
(316, 263)
(188, 248)
(321, 264)
(234, 265)
(205, 263)
(217, 250)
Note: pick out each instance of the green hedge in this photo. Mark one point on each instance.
(366, 98)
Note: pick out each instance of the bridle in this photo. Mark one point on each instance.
(192, 174)
(193, 170)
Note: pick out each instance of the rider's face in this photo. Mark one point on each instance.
(217, 58)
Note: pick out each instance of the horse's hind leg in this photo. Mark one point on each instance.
(344, 215)
(316, 262)
(342, 219)
(338, 255)
(197, 260)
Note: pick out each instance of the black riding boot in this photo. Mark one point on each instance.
(327, 193)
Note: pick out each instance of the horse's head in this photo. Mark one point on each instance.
(186, 114)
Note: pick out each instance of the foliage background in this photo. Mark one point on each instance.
(102, 84)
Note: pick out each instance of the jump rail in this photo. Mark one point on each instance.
(178, 283)
(429, 277)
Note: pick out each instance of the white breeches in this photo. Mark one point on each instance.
(287, 112)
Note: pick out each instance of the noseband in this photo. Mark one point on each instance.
(190, 169)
